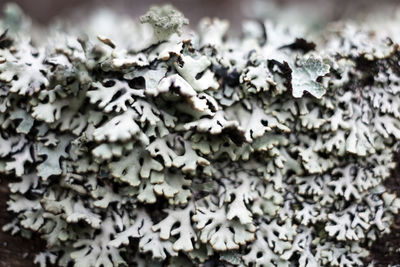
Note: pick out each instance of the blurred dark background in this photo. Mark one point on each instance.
(44, 11)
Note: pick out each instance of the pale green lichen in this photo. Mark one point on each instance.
(165, 20)
(199, 150)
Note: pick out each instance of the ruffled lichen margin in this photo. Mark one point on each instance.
(166, 146)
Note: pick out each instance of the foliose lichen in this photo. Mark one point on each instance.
(197, 149)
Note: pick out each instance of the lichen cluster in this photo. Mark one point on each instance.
(159, 145)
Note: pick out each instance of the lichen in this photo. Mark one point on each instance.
(201, 148)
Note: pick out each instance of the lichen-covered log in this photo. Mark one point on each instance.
(152, 144)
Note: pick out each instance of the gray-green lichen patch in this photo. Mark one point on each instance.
(163, 148)
(165, 20)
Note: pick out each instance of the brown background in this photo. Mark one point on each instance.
(43, 11)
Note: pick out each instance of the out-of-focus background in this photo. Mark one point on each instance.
(44, 11)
